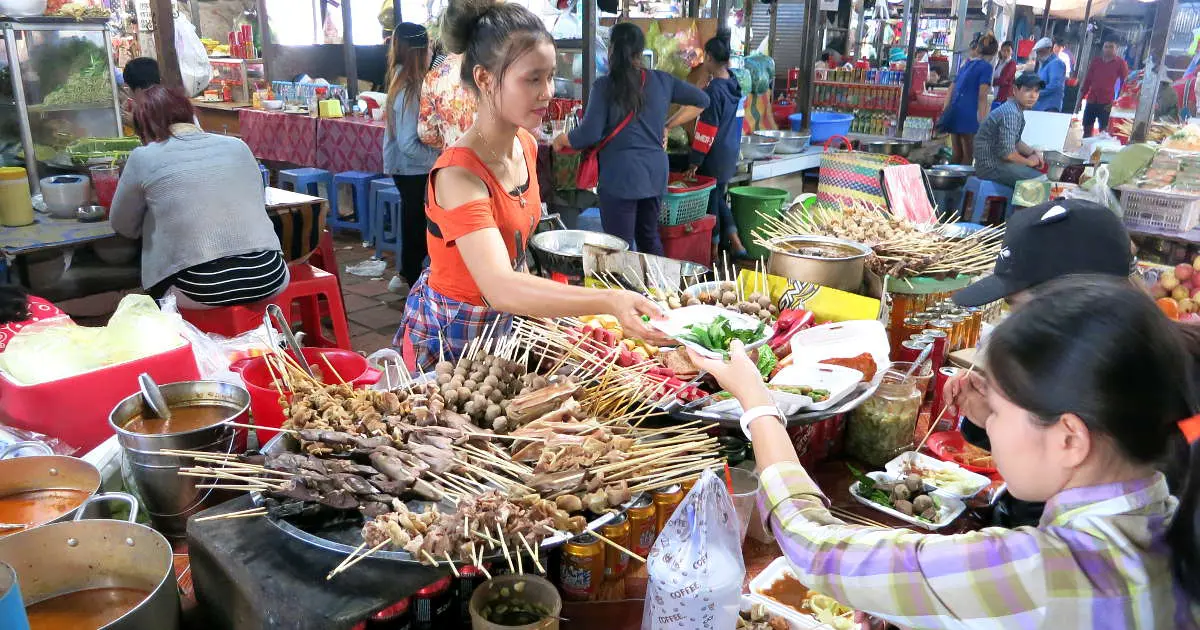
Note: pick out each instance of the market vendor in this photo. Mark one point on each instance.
(484, 201)
(1053, 73)
(1000, 155)
(1090, 388)
(197, 202)
(1104, 79)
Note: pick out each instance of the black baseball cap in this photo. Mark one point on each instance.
(1056, 239)
(1028, 80)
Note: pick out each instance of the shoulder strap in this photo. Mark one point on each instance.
(628, 118)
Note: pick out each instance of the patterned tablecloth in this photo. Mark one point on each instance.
(280, 137)
(350, 144)
(46, 233)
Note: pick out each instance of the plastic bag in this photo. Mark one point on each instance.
(215, 353)
(666, 52)
(691, 49)
(1097, 190)
(696, 567)
(1128, 162)
(194, 66)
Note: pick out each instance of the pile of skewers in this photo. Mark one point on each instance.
(901, 248)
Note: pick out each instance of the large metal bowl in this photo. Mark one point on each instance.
(956, 169)
(757, 147)
(946, 180)
(561, 251)
(896, 146)
(840, 266)
(789, 141)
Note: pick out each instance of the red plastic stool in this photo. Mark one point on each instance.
(308, 285)
(323, 257)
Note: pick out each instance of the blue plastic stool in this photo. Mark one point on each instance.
(266, 175)
(590, 220)
(360, 221)
(308, 181)
(385, 223)
(980, 191)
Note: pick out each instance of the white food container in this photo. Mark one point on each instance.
(974, 482)
(843, 340)
(677, 321)
(838, 380)
(949, 507)
(778, 568)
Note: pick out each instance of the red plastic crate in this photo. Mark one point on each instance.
(690, 241)
(75, 410)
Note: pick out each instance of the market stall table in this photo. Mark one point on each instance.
(46, 235)
(350, 144)
(280, 137)
(223, 118)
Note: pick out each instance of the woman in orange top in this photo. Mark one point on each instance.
(483, 203)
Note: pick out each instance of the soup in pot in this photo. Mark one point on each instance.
(88, 609)
(183, 419)
(36, 507)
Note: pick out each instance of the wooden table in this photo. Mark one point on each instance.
(220, 117)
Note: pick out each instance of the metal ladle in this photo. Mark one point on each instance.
(274, 316)
(153, 397)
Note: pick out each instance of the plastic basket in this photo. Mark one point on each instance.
(1158, 210)
(684, 205)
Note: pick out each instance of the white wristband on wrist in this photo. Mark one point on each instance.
(755, 413)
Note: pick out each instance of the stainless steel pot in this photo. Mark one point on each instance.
(169, 497)
(956, 169)
(945, 180)
(64, 558)
(757, 147)
(789, 141)
(1057, 161)
(843, 270)
(46, 472)
(561, 251)
(897, 146)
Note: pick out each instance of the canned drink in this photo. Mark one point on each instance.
(431, 606)
(642, 525)
(398, 615)
(665, 502)
(976, 319)
(618, 531)
(958, 331)
(940, 341)
(912, 325)
(469, 578)
(941, 377)
(581, 568)
(688, 485)
(921, 338)
(911, 350)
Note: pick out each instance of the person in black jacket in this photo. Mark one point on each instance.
(717, 141)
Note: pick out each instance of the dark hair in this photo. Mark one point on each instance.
(1125, 369)
(1007, 42)
(14, 304)
(986, 45)
(406, 64)
(141, 73)
(1114, 39)
(159, 108)
(626, 42)
(718, 47)
(1059, 40)
(490, 34)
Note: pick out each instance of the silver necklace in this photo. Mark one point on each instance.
(520, 193)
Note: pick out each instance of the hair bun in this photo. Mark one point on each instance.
(459, 21)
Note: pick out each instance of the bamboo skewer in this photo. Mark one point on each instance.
(618, 547)
(933, 421)
(262, 428)
(504, 548)
(255, 511)
(532, 554)
(333, 371)
(847, 515)
(346, 566)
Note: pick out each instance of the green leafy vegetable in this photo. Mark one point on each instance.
(719, 333)
(867, 488)
(766, 361)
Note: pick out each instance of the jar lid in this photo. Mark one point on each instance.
(12, 172)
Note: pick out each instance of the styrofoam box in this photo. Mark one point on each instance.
(778, 568)
(843, 340)
(839, 380)
(896, 468)
(678, 320)
(795, 620)
(950, 509)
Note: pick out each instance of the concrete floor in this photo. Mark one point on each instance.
(373, 312)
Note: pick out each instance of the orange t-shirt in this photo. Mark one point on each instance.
(448, 274)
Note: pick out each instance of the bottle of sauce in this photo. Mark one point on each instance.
(16, 206)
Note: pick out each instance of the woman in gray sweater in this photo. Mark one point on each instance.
(197, 202)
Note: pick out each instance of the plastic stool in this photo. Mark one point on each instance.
(360, 220)
(307, 287)
(323, 257)
(590, 220)
(266, 175)
(980, 190)
(385, 223)
(308, 181)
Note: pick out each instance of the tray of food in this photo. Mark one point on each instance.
(709, 330)
(948, 477)
(833, 381)
(757, 614)
(951, 446)
(908, 498)
(779, 589)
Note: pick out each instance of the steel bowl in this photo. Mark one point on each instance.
(945, 180)
(896, 146)
(757, 147)
(561, 251)
(957, 169)
(91, 214)
(789, 141)
(842, 269)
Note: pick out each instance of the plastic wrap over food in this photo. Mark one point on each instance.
(696, 568)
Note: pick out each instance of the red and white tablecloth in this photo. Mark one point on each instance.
(350, 144)
(280, 137)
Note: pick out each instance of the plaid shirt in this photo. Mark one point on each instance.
(1095, 561)
(998, 136)
(436, 326)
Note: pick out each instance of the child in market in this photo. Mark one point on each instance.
(1085, 403)
(716, 145)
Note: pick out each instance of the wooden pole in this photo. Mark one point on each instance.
(348, 52)
(589, 47)
(164, 42)
(808, 60)
(906, 92)
(1155, 56)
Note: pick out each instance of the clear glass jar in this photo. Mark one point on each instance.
(882, 427)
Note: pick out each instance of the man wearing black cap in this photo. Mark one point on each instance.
(1000, 156)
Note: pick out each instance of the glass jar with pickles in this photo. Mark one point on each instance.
(883, 426)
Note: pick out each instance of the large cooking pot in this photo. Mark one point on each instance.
(830, 262)
(559, 253)
(131, 559)
(896, 146)
(1057, 162)
(941, 179)
(46, 472)
(170, 498)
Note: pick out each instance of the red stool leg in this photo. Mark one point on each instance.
(310, 315)
(337, 316)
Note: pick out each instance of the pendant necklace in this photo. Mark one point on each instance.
(520, 193)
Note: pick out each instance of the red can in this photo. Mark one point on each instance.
(941, 342)
(431, 606)
(393, 617)
(910, 350)
(940, 378)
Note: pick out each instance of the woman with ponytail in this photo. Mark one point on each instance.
(1092, 391)
(627, 112)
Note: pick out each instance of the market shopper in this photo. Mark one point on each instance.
(968, 102)
(626, 118)
(483, 202)
(1000, 155)
(196, 201)
(1104, 78)
(1053, 73)
(405, 157)
(1004, 73)
(1085, 402)
(447, 107)
(716, 144)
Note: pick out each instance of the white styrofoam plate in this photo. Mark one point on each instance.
(788, 403)
(949, 507)
(677, 321)
(839, 381)
(970, 485)
(778, 568)
(843, 340)
(795, 620)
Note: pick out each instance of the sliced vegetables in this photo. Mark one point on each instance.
(719, 333)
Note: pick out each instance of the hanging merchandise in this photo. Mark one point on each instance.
(194, 67)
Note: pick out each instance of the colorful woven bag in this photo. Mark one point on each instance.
(849, 176)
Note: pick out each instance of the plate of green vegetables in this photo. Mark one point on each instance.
(709, 330)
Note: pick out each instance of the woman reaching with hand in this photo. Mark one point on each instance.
(483, 201)
(1085, 404)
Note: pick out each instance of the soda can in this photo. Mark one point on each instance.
(940, 378)
(941, 342)
(618, 531)
(582, 568)
(398, 615)
(665, 502)
(431, 606)
(910, 350)
(469, 577)
(642, 525)
(921, 338)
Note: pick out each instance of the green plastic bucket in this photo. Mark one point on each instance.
(747, 203)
